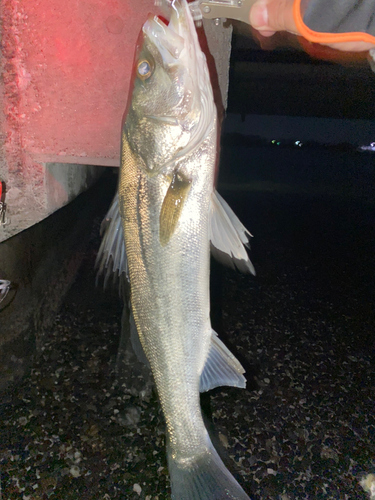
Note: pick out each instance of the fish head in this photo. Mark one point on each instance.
(171, 108)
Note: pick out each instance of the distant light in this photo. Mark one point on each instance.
(371, 147)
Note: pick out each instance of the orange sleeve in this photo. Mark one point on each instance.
(318, 37)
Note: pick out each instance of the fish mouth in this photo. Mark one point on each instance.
(177, 42)
(166, 38)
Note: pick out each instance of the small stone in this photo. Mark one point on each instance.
(93, 430)
(353, 358)
(328, 453)
(271, 472)
(48, 482)
(368, 484)
(223, 440)
(130, 417)
(137, 488)
(75, 471)
(264, 455)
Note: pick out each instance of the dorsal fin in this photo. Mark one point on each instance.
(111, 256)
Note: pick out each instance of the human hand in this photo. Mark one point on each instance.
(270, 16)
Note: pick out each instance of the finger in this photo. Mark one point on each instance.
(269, 16)
(266, 32)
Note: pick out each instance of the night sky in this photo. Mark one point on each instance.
(285, 93)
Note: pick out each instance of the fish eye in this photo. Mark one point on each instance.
(144, 69)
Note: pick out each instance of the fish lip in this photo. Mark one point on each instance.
(157, 33)
(154, 23)
(168, 39)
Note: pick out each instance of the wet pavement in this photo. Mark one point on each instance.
(303, 329)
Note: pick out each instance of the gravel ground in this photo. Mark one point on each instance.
(303, 328)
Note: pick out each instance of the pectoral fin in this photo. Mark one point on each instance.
(172, 206)
(221, 368)
(228, 236)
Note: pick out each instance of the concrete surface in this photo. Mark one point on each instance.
(66, 72)
(36, 190)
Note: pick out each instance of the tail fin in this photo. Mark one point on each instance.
(205, 478)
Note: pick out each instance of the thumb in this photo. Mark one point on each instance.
(269, 16)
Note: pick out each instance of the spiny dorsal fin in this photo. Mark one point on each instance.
(111, 256)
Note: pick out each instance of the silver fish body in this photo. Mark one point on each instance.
(170, 290)
(171, 216)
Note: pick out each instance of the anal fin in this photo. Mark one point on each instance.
(221, 368)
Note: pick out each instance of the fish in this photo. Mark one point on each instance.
(164, 222)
